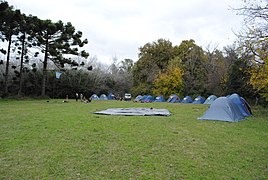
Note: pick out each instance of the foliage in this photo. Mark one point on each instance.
(10, 21)
(153, 59)
(259, 71)
(193, 62)
(170, 82)
(254, 43)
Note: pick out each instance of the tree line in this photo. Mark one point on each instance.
(36, 48)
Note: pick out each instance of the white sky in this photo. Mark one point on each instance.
(117, 28)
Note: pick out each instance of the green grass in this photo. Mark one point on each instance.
(55, 140)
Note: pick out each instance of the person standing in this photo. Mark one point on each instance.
(81, 97)
(76, 96)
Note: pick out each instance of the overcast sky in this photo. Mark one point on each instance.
(117, 28)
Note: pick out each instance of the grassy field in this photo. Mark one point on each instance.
(56, 140)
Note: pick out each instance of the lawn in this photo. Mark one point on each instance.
(56, 140)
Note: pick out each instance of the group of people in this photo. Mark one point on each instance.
(82, 98)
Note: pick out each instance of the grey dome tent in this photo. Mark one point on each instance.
(94, 97)
(223, 109)
(138, 98)
(210, 99)
(103, 97)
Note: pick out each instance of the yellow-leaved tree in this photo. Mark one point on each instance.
(255, 42)
(259, 71)
(169, 82)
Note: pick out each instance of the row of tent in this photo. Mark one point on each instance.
(231, 108)
(102, 97)
(148, 98)
(175, 99)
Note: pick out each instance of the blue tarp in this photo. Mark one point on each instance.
(199, 100)
(223, 109)
(58, 74)
(173, 99)
(210, 99)
(159, 99)
(187, 99)
(241, 104)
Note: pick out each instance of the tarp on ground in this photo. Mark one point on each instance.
(135, 112)
(210, 99)
(223, 109)
(159, 99)
(241, 104)
(198, 100)
(173, 99)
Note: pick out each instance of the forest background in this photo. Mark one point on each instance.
(33, 50)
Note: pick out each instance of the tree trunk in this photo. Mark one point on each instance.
(7, 67)
(45, 71)
(21, 65)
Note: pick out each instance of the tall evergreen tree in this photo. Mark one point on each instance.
(10, 20)
(56, 41)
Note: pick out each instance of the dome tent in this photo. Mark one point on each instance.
(103, 97)
(187, 99)
(159, 99)
(198, 100)
(111, 96)
(210, 99)
(241, 104)
(223, 109)
(173, 99)
(138, 98)
(94, 97)
(149, 99)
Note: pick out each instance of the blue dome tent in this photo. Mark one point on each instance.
(187, 99)
(210, 99)
(198, 100)
(138, 98)
(103, 97)
(149, 99)
(94, 97)
(173, 99)
(111, 96)
(143, 98)
(159, 99)
(241, 104)
(223, 109)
